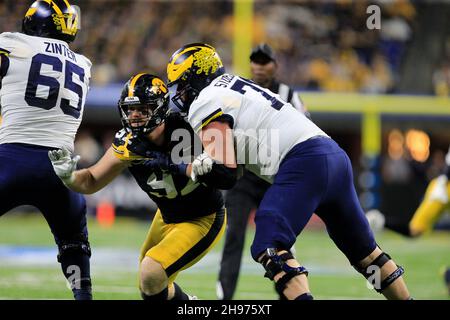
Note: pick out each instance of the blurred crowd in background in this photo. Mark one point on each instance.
(320, 45)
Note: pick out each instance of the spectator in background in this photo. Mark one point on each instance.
(87, 148)
(264, 67)
(248, 192)
(441, 80)
(324, 46)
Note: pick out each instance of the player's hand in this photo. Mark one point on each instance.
(162, 161)
(201, 166)
(63, 164)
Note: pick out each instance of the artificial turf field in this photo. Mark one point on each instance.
(28, 267)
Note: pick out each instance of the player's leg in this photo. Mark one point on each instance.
(283, 213)
(153, 279)
(15, 183)
(239, 203)
(65, 212)
(36, 184)
(171, 248)
(71, 237)
(432, 206)
(349, 229)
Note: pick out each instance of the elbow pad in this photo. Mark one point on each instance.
(220, 177)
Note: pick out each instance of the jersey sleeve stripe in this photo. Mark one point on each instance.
(4, 52)
(116, 149)
(122, 152)
(217, 113)
(4, 62)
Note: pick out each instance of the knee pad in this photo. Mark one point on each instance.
(79, 244)
(275, 264)
(369, 271)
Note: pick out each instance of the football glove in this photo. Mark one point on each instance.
(201, 166)
(162, 161)
(63, 164)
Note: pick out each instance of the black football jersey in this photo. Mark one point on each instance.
(177, 196)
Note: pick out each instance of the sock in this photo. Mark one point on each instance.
(156, 297)
(85, 291)
(305, 296)
(179, 294)
(76, 268)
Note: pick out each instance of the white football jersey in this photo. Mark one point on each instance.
(43, 93)
(265, 128)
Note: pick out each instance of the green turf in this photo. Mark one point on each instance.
(330, 278)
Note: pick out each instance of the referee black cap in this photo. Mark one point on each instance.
(262, 54)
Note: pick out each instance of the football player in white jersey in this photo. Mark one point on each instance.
(43, 90)
(435, 203)
(240, 122)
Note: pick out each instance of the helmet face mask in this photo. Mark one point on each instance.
(182, 95)
(55, 19)
(143, 105)
(190, 69)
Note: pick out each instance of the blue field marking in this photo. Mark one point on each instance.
(27, 255)
(45, 256)
(122, 259)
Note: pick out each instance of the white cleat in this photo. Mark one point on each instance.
(192, 297)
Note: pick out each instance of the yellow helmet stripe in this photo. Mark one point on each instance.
(30, 12)
(133, 83)
(57, 9)
(174, 71)
(67, 4)
(60, 13)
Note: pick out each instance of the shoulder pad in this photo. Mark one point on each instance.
(7, 40)
(16, 43)
(85, 59)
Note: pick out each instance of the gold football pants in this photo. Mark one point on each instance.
(430, 209)
(177, 246)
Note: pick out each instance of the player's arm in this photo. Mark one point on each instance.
(89, 180)
(218, 143)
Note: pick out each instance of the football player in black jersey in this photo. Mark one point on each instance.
(191, 216)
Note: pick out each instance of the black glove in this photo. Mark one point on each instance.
(162, 161)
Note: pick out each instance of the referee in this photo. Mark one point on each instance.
(250, 189)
